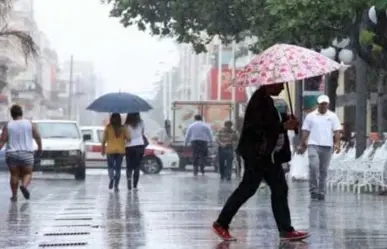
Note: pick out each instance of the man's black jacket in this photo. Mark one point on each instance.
(261, 128)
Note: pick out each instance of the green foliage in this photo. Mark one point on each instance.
(311, 23)
(381, 4)
(366, 37)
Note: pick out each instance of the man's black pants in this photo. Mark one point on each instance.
(199, 155)
(257, 170)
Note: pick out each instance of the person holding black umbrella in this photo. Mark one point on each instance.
(135, 149)
(115, 136)
(264, 146)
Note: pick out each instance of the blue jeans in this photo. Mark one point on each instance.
(114, 167)
(226, 156)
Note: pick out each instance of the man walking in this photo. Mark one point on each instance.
(199, 135)
(226, 139)
(264, 146)
(320, 132)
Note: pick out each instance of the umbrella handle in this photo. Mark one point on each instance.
(290, 103)
(290, 99)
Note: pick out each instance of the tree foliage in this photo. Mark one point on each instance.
(26, 42)
(310, 23)
(371, 35)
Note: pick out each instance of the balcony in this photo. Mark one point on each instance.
(22, 9)
(27, 90)
(22, 24)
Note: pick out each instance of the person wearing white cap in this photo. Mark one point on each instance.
(320, 134)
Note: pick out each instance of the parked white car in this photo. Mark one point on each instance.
(156, 156)
(63, 147)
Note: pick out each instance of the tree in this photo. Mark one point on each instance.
(305, 22)
(309, 23)
(27, 43)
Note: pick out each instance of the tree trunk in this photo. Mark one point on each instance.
(361, 106)
(380, 104)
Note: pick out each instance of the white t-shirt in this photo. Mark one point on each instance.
(136, 135)
(321, 127)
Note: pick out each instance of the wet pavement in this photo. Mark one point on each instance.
(174, 210)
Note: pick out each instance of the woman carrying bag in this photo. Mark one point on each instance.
(134, 149)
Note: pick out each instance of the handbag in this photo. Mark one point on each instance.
(146, 141)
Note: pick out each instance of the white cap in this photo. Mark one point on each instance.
(323, 99)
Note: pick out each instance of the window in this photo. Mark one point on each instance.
(58, 130)
(100, 135)
(88, 132)
(225, 60)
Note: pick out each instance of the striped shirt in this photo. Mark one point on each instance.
(227, 137)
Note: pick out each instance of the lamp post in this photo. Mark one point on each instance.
(339, 52)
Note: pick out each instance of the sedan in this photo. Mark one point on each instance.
(156, 157)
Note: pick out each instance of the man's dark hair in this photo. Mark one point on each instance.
(198, 117)
(228, 123)
(16, 111)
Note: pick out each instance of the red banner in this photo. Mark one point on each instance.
(226, 87)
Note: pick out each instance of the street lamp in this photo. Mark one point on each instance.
(339, 52)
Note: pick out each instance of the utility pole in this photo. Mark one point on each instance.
(361, 106)
(71, 88)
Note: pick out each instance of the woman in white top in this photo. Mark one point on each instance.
(19, 134)
(134, 149)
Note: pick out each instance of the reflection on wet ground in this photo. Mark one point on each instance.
(175, 211)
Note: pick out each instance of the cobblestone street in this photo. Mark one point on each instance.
(175, 211)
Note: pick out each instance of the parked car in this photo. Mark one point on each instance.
(156, 157)
(63, 148)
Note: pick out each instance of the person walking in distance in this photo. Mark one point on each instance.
(135, 149)
(18, 135)
(114, 138)
(320, 132)
(199, 135)
(226, 139)
(263, 147)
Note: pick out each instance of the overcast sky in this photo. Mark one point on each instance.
(127, 59)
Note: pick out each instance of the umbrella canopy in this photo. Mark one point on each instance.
(284, 63)
(119, 102)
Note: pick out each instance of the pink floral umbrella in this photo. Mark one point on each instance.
(284, 63)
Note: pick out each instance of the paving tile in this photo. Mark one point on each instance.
(175, 210)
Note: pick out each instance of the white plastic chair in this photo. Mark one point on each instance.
(344, 176)
(335, 170)
(372, 174)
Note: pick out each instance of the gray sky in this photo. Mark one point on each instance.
(127, 59)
